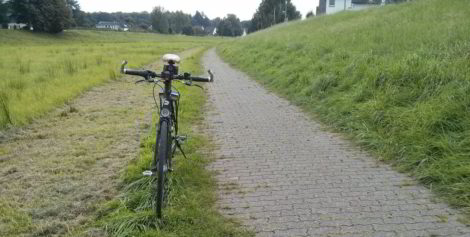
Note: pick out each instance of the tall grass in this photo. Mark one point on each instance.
(40, 72)
(395, 78)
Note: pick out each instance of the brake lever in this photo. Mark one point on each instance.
(196, 85)
(140, 81)
(123, 66)
(211, 75)
(190, 83)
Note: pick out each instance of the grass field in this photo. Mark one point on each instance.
(41, 72)
(396, 79)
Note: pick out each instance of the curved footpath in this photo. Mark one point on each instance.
(281, 174)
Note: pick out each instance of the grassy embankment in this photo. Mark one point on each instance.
(396, 79)
(190, 209)
(41, 72)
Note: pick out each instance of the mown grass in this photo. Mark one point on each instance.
(190, 209)
(13, 221)
(41, 72)
(395, 78)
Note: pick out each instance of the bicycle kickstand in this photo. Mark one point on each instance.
(178, 145)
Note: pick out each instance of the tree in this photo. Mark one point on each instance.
(51, 16)
(199, 30)
(309, 14)
(188, 30)
(159, 19)
(216, 21)
(246, 24)
(178, 21)
(76, 14)
(200, 19)
(3, 13)
(21, 11)
(230, 26)
(213, 26)
(271, 12)
(224, 28)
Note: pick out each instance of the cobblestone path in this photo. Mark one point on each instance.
(281, 174)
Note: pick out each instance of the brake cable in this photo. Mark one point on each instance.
(154, 97)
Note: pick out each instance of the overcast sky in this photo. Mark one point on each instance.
(244, 9)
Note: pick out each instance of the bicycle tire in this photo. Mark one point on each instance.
(162, 155)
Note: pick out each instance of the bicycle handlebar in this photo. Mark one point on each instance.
(147, 74)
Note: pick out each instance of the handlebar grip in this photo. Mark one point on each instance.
(142, 73)
(204, 79)
(201, 79)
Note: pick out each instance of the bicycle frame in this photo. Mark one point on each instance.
(169, 112)
(167, 104)
(169, 109)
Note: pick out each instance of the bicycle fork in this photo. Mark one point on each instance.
(175, 141)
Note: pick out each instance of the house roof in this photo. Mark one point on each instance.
(111, 23)
(108, 23)
(366, 1)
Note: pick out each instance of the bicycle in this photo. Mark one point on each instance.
(167, 140)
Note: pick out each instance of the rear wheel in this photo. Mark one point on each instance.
(162, 153)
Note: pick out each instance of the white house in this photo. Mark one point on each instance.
(111, 26)
(334, 6)
(16, 26)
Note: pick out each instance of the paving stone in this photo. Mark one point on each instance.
(291, 232)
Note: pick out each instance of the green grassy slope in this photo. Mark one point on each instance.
(396, 78)
(41, 72)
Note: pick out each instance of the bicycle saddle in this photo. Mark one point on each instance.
(171, 59)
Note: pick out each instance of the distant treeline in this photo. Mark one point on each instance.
(53, 16)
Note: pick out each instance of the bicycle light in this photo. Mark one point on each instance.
(171, 61)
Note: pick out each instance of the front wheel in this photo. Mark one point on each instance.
(162, 153)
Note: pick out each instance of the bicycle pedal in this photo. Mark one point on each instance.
(148, 173)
